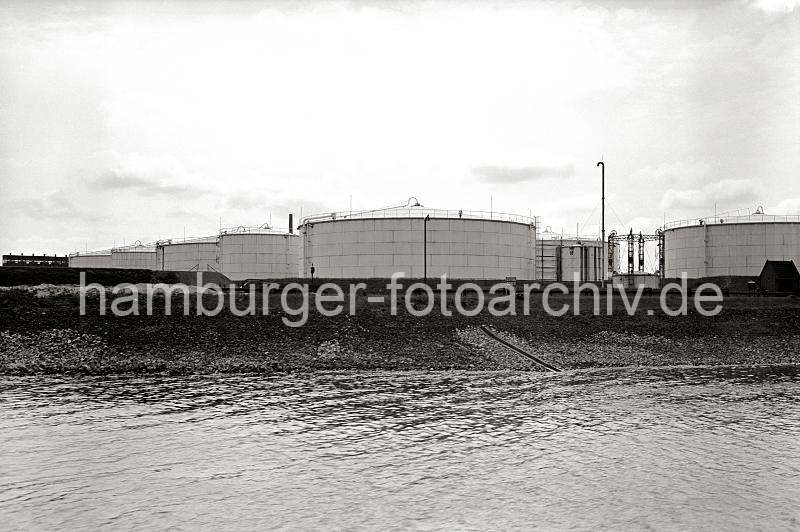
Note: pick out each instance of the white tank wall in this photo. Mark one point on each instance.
(552, 251)
(133, 260)
(259, 256)
(729, 249)
(188, 256)
(90, 261)
(460, 248)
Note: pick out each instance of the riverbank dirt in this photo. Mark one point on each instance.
(45, 334)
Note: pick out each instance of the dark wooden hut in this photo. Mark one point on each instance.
(779, 276)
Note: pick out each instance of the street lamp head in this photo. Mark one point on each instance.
(427, 217)
(601, 164)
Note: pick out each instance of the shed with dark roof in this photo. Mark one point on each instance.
(779, 276)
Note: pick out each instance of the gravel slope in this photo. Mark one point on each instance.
(45, 334)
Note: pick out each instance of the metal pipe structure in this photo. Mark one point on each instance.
(612, 242)
(641, 252)
(425, 246)
(493, 335)
(602, 166)
(631, 240)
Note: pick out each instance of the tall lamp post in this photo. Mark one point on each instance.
(425, 246)
(602, 166)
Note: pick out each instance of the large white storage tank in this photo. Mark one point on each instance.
(460, 244)
(258, 253)
(136, 257)
(91, 259)
(560, 258)
(729, 246)
(198, 254)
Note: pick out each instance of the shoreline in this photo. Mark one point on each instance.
(47, 336)
(455, 371)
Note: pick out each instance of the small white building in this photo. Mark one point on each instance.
(561, 258)
(634, 280)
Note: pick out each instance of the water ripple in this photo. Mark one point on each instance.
(658, 448)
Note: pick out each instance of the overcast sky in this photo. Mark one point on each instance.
(126, 121)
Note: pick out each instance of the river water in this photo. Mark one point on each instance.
(669, 448)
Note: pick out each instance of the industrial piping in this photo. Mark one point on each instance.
(489, 332)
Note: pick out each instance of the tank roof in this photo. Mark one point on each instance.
(723, 219)
(135, 248)
(419, 212)
(99, 252)
(195, 240)
(263, 229)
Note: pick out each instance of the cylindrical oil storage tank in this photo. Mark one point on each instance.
(258, 253)
(460, 244)
(561, 258)
(136, 257)
(91, 259)
(197, 254)
(729, 246)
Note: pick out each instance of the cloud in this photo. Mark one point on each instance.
(55, 206)
(642, 224)
(258, 206)
(776, 6)
(625, 78)
(244, 201)
(726, 194)
(788, 206)
(117, 181)
(674, 174)
(269, 201)
(519, 174)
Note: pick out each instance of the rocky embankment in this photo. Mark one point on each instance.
(41, 332)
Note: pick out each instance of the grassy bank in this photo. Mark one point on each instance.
(40, 335)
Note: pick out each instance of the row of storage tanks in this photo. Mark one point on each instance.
(459, 244)
(249, 253)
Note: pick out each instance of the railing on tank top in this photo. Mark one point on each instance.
(719, 219)
(421, 212)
